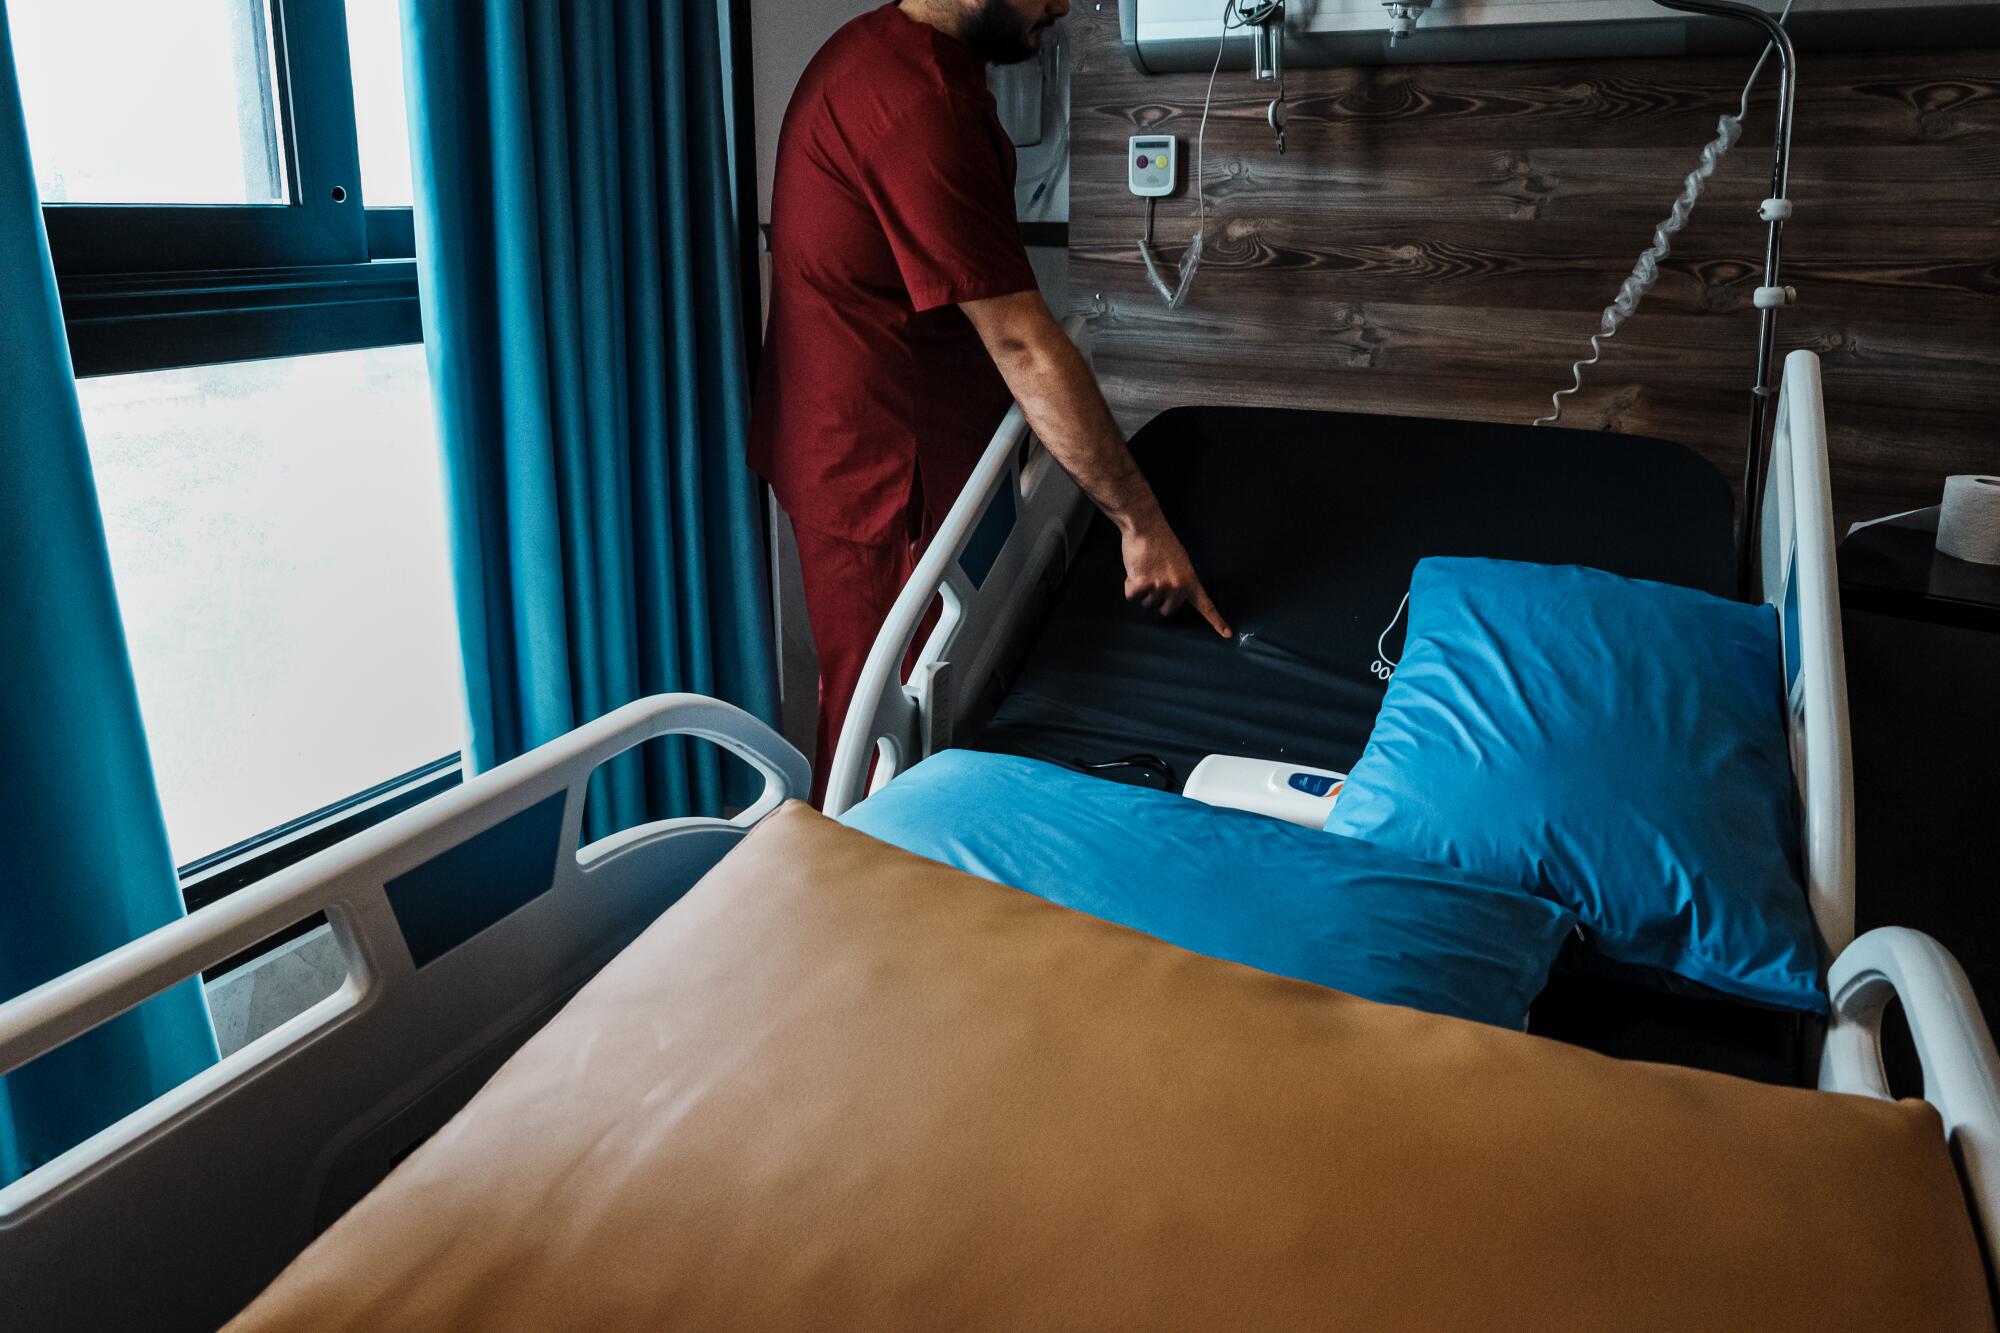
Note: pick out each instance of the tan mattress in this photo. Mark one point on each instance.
(840, 1087)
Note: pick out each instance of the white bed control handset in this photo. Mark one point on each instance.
(1291, 792)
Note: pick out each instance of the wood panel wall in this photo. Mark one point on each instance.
(1439, 241)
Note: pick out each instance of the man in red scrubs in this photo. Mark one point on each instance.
(903, 317)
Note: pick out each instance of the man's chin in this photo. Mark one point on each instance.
(1001, 42)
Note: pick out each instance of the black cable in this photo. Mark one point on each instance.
(1139, 762)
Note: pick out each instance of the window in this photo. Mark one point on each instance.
(205, 177)
(235, 150)
(226, 185)
(277, 538)
(375, 51)
(203, 73)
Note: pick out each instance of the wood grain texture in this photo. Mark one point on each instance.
(1440, 239)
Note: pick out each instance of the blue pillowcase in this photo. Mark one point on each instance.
(1613, 744)
(1237, 886)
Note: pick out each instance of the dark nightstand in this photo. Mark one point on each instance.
(1923, 688)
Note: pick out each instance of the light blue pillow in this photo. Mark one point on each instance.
(1233, 885)
(1614, 744)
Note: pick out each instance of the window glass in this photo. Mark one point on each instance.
(381, 122)
(150, 101)
(277, 537)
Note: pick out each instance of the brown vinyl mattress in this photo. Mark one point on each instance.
(840, 1087)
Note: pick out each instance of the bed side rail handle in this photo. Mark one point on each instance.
(876, 713)
(347, 877)
(1961, 1066)
(1800, 581)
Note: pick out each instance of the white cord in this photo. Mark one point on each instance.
(1191, 257)
(1384, 666)
(1646, 271)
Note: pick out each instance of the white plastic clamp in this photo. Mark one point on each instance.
(1770, 298)
(1775, 210)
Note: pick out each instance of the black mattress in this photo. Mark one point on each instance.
(1305, 527)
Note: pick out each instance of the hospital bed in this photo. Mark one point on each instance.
(179, 1214)
(1035, 653)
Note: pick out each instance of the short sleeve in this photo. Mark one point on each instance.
(942, 185)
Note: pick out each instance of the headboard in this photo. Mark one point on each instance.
(1799, 580)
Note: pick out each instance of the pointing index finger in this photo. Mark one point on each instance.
(1210, 614)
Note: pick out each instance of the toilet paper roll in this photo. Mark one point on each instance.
(1969, 521)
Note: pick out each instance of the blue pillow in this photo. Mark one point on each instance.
(1614, 744)
(1238, 886)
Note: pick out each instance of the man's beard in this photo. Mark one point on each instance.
(1000, 36)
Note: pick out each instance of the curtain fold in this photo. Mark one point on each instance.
(577, 256)
(84, 861)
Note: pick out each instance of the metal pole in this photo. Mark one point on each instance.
(1763, 393)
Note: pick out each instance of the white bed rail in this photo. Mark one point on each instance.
(266, 1146)
(892, 724)
(1961, 1067)
(1800, 581)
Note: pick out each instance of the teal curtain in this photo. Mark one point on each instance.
(84, 862)
(578, 262)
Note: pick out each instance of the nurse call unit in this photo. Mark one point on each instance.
(1152, 164)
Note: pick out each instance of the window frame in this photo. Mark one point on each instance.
(215, 876)
(163, 286)
(128, 322)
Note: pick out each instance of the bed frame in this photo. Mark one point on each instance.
(178, 1215)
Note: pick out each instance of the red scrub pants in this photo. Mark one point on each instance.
(850, 587)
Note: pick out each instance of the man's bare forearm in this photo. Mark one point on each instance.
(1064, 405)
(1055, 388)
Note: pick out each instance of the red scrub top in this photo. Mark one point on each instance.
(894, 201)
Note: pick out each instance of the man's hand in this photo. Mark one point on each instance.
(1160, 577)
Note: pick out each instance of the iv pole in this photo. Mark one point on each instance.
(1771, 296)
(1266, 18)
